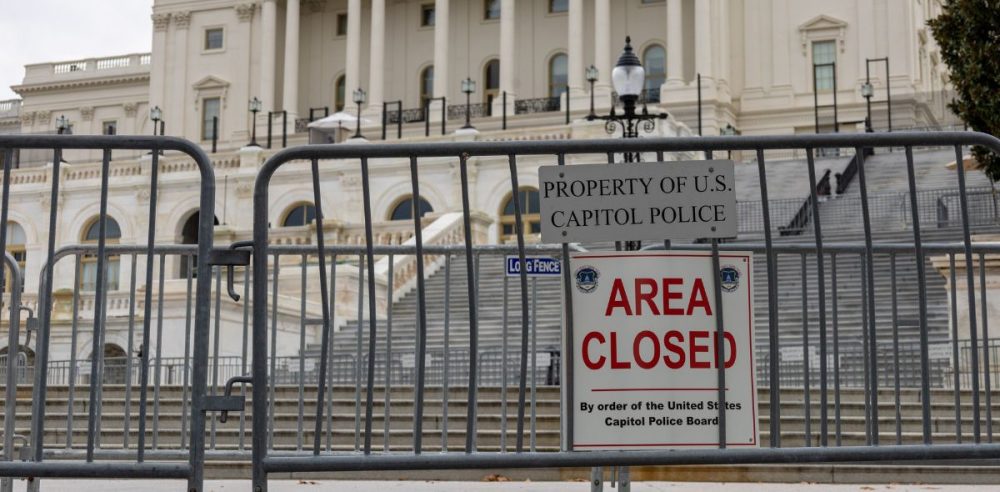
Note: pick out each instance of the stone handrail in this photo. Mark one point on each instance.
(447, 229)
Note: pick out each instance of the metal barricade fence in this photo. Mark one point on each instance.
(41, 439)
(314, 456)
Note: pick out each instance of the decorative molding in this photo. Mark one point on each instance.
(182, 19)
(245, 11)
(142, 195)
(160, 21)
(70, 84)
(822, 27)
(43, 117)
(87, 113)
(28, 118)
(210, 86)
(244, 189)
(131, 108)
(316, 5)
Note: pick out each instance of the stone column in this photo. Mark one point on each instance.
(575, 66)
(441, 45)
(157, 96)
(268, 25)
(290, 96)
(675, 43)
(602, 43)
(703, 38)
(176, 115)
(352, 78)
(508, 53)
(376, 60)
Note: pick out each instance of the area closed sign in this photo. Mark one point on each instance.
(658, 200)
(645, 373)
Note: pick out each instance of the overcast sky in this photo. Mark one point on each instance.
(35, 31)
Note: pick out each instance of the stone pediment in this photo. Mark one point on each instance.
(210, 86)
(822, 27)
(210, 82)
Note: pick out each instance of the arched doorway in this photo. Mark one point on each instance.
(189, 235)
(91, 235)
(115, 364)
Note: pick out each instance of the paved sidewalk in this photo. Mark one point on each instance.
(423, 486)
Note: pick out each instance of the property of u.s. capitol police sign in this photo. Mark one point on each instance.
(657, 200)
(645, 350)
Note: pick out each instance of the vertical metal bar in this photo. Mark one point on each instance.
(70, 404)
(418, 404)
(836, 349)
(45, 319)
(865, 307)
(97, 351)
(372, 324)
(970, 278)
(304, 259)
(357, 353)
(956, 368)
(568, 342)
(503, 368)
(987, 368)
(10, 395)
(387, 409)
(272, 372)
(870, 282)
(144, 368)
(324, 294)
(159, 353)
(772, 307)
(243, 352)
(187, 350)
(215, 344)
(720, 341)
(519, 229)
(128, 352)
(821, 289)
(445, 353)
(895, 348)
(806, 375)
(534, 358)
(470, 417)
(329, 375)
(925, 372)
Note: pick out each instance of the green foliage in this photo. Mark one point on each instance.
(968, 32)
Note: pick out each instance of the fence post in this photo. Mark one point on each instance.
(270, 119)
(383, 120)
(504, 110)
(427, 118)
(444, 114)
(284, 128)
(215, 132)
(567, 104)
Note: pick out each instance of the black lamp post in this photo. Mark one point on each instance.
(468, 87)
(591, 77)
(255, 106)
(629, 79)
(728, 131)
(359, 99)
(155, 114)
(867, 91)
(62, 124)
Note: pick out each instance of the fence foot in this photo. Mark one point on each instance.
(596, 479)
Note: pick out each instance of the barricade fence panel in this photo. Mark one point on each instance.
(858, 304)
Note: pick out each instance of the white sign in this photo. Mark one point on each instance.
(661, 200)
(538, 266)
(644, 350)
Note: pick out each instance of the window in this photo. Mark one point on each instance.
(16, 241)
(557, 75)
(404, 209)
(426, 85)
(189, 235)
(491, 9)
(527, 199)
(300, 215)
(209, 111)
(654, 60)
(91, 234)
(340, 94)
(558, 6)
(824, 54)
(213, 38)
(342, 24)
(427, 15)
(491, 77)
(109, 127)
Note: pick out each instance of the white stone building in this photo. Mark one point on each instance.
(755, 59)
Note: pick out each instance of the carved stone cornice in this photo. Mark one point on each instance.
(58, 85)
(43, 117)
(28, 118)
(160, 21)
(87, 113)
(131, 109)
(181, 19)
(245, 11)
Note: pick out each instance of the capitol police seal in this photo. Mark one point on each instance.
(586, 278)
(729, 278)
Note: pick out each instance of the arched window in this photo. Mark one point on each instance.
(654, 60)
(404, 209)
(527, 199)
(15, 246)
(189, 235)
(299, 215)
(91, 235)
(491, 79)
(339, 93)
(25, 358)
(558, 68)
(426, 85)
